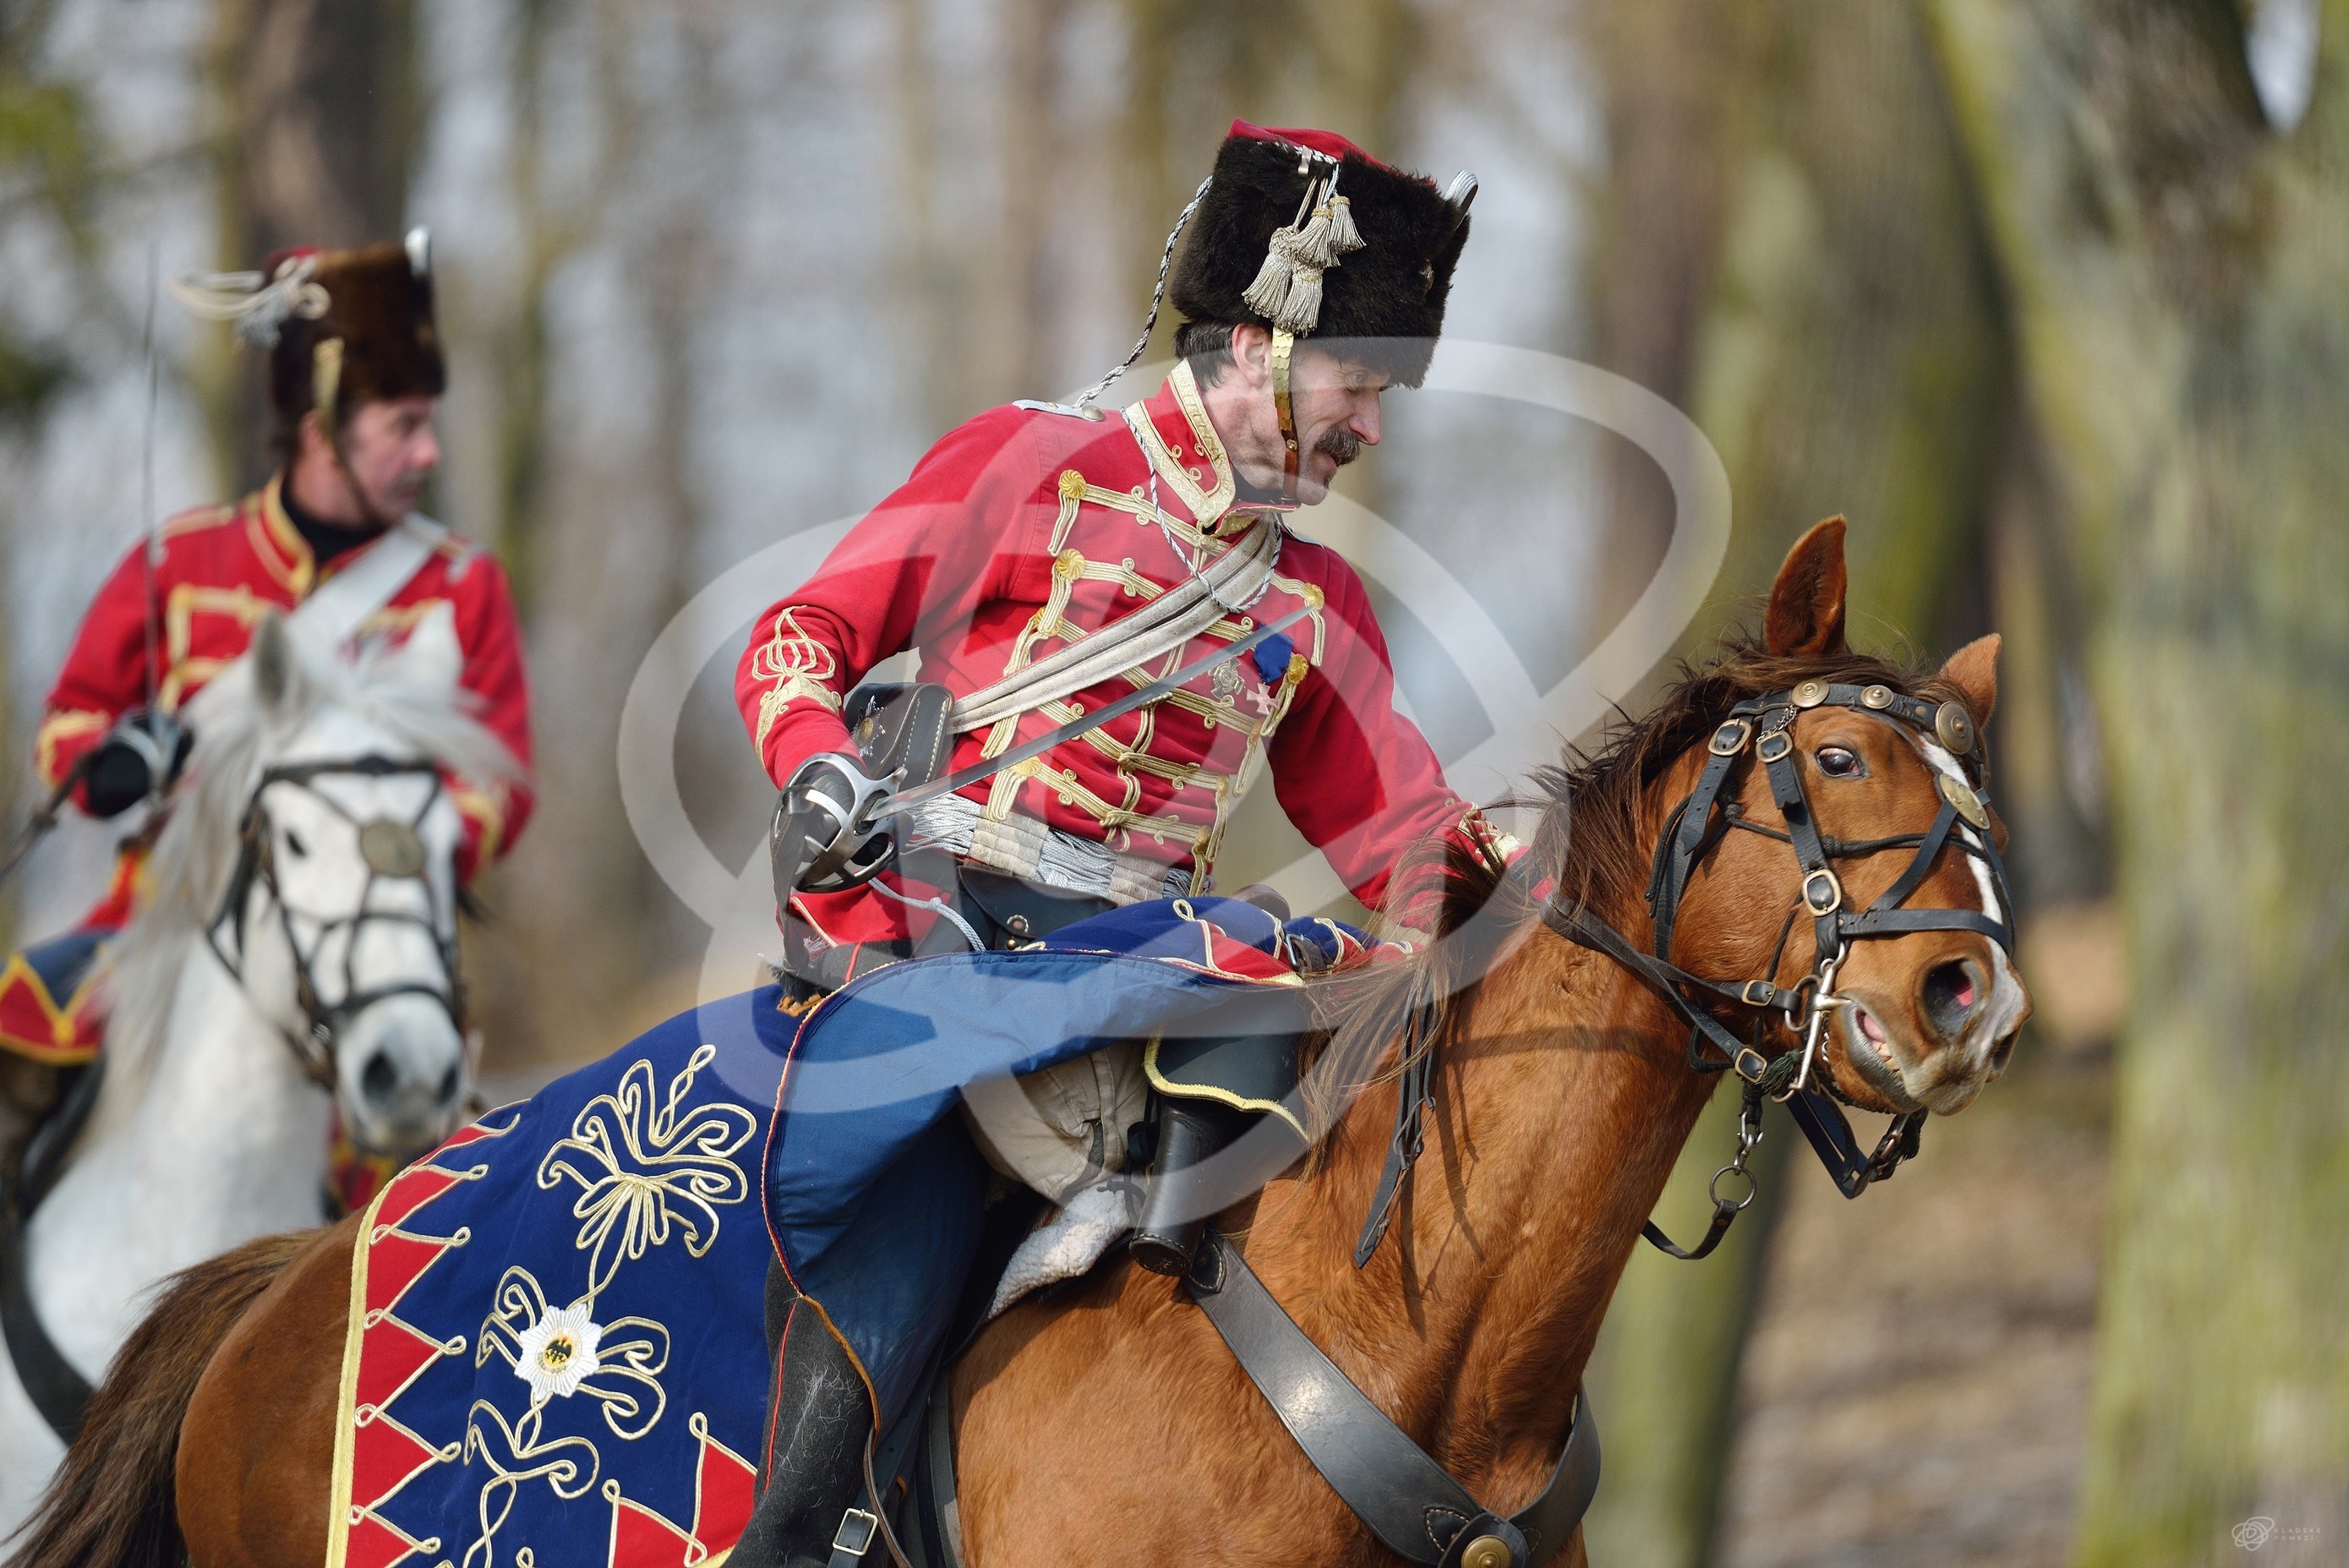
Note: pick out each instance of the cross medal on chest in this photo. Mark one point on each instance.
(1229, 685)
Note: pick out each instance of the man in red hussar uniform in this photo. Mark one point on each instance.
(355, 370)
(1044, 561)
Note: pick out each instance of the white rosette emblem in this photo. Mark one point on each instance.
(557, 1353)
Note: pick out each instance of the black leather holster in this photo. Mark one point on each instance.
(1207, 1091)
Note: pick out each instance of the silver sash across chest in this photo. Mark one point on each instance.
(1164, 625)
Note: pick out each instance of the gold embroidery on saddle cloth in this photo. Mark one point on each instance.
(658, 1168)
(345, 1511)
(648, 1169)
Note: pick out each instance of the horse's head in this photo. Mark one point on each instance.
(340, 914)
(1895, 866)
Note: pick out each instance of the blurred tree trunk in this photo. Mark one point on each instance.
(316, 132)
(2047, 752)
(57, 172)
(556, 218)
(1785, 246)
(2176, 269)
(984, 302)
(599, 532)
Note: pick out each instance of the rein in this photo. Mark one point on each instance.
(394, 852)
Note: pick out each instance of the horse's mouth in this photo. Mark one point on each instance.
(1945, 1082)
(1869, 1051)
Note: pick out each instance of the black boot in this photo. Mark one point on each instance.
(811, 1511)
(1176, 1203)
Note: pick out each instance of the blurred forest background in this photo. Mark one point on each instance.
(2051, 297)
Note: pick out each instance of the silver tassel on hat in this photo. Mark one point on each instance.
(1288, 286)
(258, 306)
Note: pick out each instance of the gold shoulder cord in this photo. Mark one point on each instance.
(1282, 342)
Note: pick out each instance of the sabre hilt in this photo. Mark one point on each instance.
(830, 833)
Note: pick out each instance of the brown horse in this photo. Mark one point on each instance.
(1111, 1424)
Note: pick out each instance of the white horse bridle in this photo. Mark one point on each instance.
(394, 851)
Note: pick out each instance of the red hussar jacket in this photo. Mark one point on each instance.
(1024, 530)
(223, 568)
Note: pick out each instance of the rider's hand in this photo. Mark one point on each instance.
(141, 756)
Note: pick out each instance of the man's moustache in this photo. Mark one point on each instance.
(1340, 446)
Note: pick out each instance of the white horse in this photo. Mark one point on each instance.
(299, 939)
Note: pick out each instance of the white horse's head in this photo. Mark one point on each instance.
(315, 848)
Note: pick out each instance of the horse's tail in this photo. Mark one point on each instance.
(113, 1503)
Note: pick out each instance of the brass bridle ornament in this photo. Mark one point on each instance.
(394, 851)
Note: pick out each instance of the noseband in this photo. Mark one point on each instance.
(394, 852)
(1765, 725)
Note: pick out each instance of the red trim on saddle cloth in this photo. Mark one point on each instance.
(67, 1032)
(384, 1356)
(353, 1175)
(383, 1456)
(723, 1488)
(38, 1027)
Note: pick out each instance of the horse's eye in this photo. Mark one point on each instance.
(293, 845)
(1838, 763)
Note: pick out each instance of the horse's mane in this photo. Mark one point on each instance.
(188, 873)
(1593, 841)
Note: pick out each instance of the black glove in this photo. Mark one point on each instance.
(141, 756)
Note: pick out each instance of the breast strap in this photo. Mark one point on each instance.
(1408, 1502)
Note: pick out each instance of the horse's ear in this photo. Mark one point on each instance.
(276, 669)
(432, 654)
(1806, 619)
(1973, 670)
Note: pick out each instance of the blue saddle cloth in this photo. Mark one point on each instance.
(556, 1351)
(556, 1339)
(874, 1190)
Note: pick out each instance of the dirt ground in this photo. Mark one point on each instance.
(1916, 1392)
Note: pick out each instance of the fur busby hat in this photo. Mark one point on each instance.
(1302, 230)
(340, 326)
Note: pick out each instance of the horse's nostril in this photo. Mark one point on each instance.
(448, 1086)
(1949, 995)
(380, 1077)
(2001, 1054)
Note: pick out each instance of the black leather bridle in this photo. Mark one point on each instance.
(1765, 725)
(394, 851)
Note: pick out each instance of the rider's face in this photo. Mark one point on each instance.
(392, 451)
(1333, 403)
